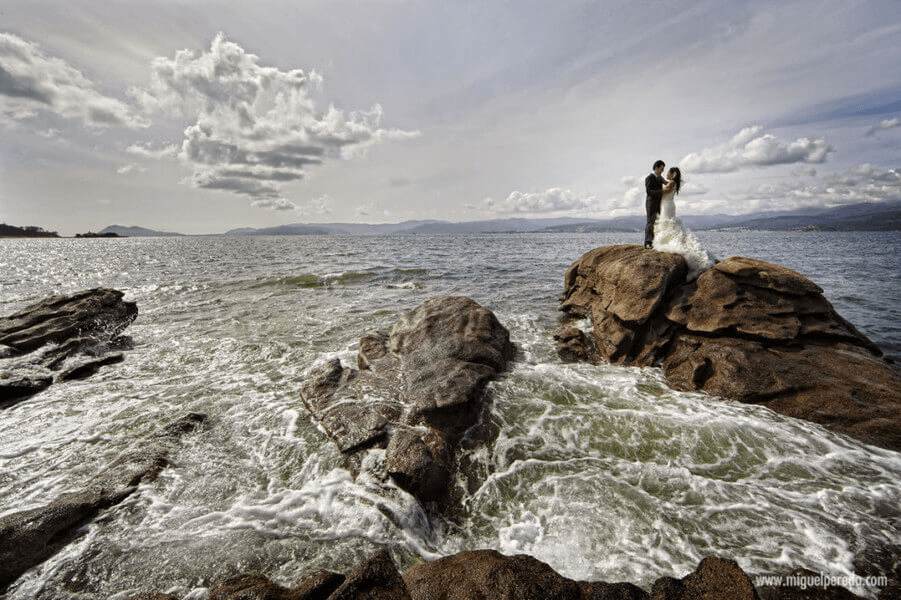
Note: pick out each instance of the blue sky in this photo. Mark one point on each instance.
(201, 116)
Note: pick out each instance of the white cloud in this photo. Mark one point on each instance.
(864, 183)
(274, 204)
(170, 151)
(887, 124)
(255, 127)
(751, 148)
(550, 200)
(320, 205)
(32, 82)
(124, 170)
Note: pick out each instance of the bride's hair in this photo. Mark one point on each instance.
(676, 175)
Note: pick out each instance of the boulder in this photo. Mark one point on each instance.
(30, 537)
(744, 330)
(61, 338)
(416, 391)
(714, 578)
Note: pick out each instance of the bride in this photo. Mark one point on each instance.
(670, 235)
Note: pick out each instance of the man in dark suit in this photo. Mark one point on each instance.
(653, 185)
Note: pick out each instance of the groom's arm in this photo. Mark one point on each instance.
(653, 186)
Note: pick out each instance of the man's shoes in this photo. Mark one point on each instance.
(648, 246)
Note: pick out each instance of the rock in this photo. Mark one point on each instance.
(48, 341)
(99, 313)
(573, 345)
(715, 578)
(376, 578)
(318, 585)
(490, 575)
(744, 330)
(250, 587)
(417, 390)
(30, 537)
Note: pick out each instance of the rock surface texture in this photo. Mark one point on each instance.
(417, 390)
(30, 537)
(61, 338)
(489, 575)
(744, 330)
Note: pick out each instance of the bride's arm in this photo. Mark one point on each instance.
(669, 186)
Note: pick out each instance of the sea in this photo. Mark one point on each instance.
(601, 471)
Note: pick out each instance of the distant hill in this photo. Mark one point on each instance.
(135, 232)
(29, 231)
(866, 216)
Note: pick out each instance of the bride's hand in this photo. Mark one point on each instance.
(670, 185)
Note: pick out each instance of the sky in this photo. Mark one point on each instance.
(199, 116)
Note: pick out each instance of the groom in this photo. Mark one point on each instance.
(653, 185)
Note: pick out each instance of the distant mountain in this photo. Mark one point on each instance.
(866, 216)
(431, 227)
(135, 232)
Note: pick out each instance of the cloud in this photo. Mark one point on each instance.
(864, 183)
(274, 204)
(32, 82)
(255, 127)
(750, 148)
(124, 170)
(170, 151)
(887, 124)
(550, 200)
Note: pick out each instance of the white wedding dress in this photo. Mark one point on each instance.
(670, 235)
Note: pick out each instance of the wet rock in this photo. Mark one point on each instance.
(318, 585)
(60, 338)
(250, 587)
(491, 575)
(573, 345)
(376, 578)
(714, 578)
(30, 537)
(744, 330)
(417, 390)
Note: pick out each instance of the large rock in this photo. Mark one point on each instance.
(61, 338)
(30, 537)
(417, 390)
(491, 575)
(744, 330)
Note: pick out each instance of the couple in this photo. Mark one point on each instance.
(664, 231)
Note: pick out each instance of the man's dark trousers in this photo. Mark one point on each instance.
(653, 185)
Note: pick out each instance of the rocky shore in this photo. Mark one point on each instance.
(489, 575)
(745, 330)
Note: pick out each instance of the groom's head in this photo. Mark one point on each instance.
(659, 166)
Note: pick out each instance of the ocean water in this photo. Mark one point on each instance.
(603, 472)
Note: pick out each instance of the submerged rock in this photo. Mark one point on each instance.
(30, 537)
(61, 338)
(744, 330)
(417, 390)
